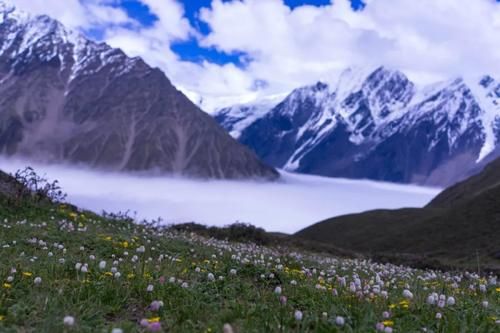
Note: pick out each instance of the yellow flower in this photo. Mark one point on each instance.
(2, 318)
(388, 323)
(125, 244)
(28, 274)
(108, 238)
(73, 215)
(130, 276)
(154, 320)
(498, 290)
(7, 285)
(392, 306)
(108, 274)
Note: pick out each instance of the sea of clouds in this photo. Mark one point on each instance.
(289, 205)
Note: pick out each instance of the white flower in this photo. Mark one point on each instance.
(482, 288)
(141, 249)
(386, 314)
(102, 265)
(340, 321)
(485, 304)
(388, 329)
(84, 269)
(69, 321)
(277, 290)
(227, 328)
(116, 330)
(293, 283)
(118, 275)
(439, 315)
(171, 279)
(298, 315)
(431, 300)
(10, 279)
(150, 288)
(184, 285)
(232, 271)
(407, 294)
(78, 266)
(211, 277)
(450, 301)
(38, 280)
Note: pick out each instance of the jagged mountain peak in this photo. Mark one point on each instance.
(376, 123)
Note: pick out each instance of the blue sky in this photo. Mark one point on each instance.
(190, 50)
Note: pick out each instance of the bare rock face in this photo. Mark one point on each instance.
(64, 98)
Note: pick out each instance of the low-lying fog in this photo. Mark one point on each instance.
(295, 202)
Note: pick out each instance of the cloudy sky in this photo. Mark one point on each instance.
(235, 50)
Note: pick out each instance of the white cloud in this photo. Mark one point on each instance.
(428, 39)
(306, 199)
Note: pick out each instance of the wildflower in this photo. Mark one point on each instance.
(116, 330)
(407, 294)
(340, 321)
(184, 285)
(38, 280)
(298, 315)
(78, 266)
(7, 285)
(156, 305)
(150, 288)
(388, 329)
(211, 277)
(439, 315)
(485, 304)
(386, 314)
(379, 327)
(118, 275)
(102, 265)
(277, 290)
(141, 249)
(450, 301)
(69, 321)
(388, 323)
(227, 328)
(27, 274)
(431, 300)
(232, 271)
(283, 300)
(154, 327)
(324, 314)
(84, 269)
(2, 318)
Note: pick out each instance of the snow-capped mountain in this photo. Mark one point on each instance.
(379, 125)
(66, 98)
(238, 117)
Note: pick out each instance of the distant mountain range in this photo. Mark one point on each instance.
(64, 98)
(376, 125)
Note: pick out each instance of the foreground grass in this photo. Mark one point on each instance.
(103, 274)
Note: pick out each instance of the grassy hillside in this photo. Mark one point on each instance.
(460, 228)
(65, 270)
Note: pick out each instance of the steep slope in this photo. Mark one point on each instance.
(459, 227)
(66, 98)
(378, 125)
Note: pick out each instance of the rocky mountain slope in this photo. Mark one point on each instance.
(379, 125)
(460, 227)
(64, 98)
